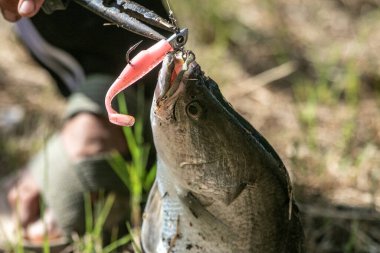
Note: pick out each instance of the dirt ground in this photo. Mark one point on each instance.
(304, 73)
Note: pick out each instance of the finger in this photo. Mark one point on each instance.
(37, 231)
(24, 199)
(29, 207)
(29, 8)
(9, 10)
(10, 16)
(12, 197)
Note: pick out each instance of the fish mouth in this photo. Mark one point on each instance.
(176, 68)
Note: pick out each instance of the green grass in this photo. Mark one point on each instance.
(134, 173)
(350, 245)
(92, 240)
(135, 176)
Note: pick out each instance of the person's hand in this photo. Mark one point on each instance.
(13, 10)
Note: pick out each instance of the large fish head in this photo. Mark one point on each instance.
(206, 150)
(200, 141)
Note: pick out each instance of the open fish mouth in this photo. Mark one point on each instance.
(175, 69)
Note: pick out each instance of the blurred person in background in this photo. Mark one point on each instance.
(84, 57)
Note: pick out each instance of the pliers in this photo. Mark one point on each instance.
(130, 15)
(123, 13)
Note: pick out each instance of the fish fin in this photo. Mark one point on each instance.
(236, 193)
(200, 212)
(152, 221)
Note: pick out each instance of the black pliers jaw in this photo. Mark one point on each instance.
(123, 13)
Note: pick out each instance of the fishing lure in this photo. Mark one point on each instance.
(138, 67)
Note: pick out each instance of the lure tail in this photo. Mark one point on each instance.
(138, 67)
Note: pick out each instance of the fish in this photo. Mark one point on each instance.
(220, 186)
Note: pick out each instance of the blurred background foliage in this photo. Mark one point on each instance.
(304, 73)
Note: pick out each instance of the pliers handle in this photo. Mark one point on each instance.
(124, 13)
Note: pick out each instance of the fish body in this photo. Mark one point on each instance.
(220, 186)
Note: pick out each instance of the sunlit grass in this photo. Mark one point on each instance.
(92, 240)
(134, 173)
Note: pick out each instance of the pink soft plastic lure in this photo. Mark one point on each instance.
(138, 67)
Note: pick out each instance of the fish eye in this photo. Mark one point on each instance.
(194, 110)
